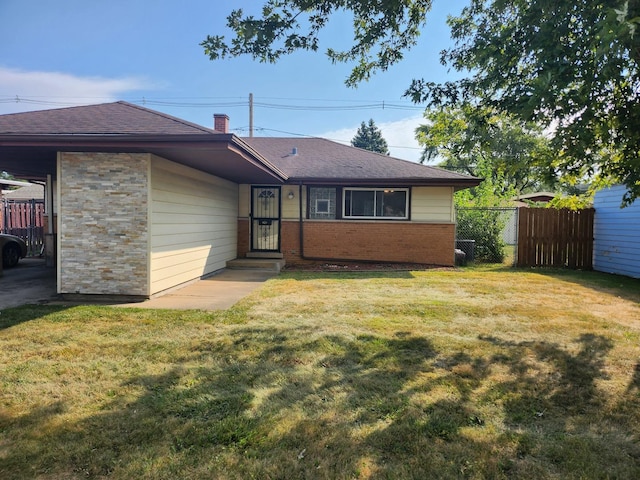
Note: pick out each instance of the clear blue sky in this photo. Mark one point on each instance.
(75, 52)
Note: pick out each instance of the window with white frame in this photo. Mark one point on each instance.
(391, 203)
(322, 203)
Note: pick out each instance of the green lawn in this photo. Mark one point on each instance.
(484, 372)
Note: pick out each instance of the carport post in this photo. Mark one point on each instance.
(49, 236)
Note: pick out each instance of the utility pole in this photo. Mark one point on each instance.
(251, 115)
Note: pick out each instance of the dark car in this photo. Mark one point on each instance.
(13, 249)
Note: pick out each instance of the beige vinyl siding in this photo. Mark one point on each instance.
(291, 208)
(193, 224)
(428, 204)
(432, 204)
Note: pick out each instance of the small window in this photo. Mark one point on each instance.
(322, 206)
(378, 203)
(322, 203)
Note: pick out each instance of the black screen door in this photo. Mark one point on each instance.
(265, 219)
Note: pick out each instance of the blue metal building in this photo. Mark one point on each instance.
(616, 233)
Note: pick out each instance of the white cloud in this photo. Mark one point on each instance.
(400, 136)
(22, 91)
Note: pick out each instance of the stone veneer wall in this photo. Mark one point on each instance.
(103, 245)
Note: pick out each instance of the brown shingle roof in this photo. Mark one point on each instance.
(318, 159)
(25, 193)
(29, 141)
(118, 118)
(121, 126)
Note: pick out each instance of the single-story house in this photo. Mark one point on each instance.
(527, 199)
(19, 192)
(140, 201)
(10, 187)
(28, 192)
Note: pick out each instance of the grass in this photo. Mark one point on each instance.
(484, 372)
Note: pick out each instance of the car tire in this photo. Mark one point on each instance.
(10, 255)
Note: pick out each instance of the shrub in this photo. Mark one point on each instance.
(485, 226)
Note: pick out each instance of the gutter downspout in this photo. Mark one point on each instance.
(324, 259)
(301, 232)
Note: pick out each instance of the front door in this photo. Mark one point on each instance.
(265, 219)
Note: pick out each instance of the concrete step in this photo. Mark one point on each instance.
(267, 255)
(257, 264)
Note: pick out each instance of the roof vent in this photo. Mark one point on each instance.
(294, 151)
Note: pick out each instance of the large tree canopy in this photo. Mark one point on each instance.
(511, 155)
(382, 31)
(570, 66)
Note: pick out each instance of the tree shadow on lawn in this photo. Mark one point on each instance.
(617, 285)
(285, 403)
(27, 313)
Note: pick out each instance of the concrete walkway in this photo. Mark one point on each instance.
(217, 292)
(32, 283)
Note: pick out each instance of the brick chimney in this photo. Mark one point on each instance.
(221, 122)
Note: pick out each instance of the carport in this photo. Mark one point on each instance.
(31, 282)
(80, 153)
(32, 278)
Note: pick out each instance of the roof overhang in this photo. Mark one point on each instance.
(33, 157)
(458, 184)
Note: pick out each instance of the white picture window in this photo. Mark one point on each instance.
(376, 203)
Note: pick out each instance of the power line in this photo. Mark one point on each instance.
(237, 102)
(348, 142)
(356, 105)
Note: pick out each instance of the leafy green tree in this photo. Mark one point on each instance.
(514, 155)
(382, 31)
(572, 202)
(370, 137)
(570, 66)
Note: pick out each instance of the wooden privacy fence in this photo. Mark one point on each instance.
(549, 237)
(25, 219)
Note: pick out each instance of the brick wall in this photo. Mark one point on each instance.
(244, 244)
(405, 242)
(103, 247)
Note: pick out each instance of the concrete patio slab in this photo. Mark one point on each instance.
(31, 282)
(218, 292)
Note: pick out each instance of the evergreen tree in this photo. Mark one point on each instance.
(370, 137)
